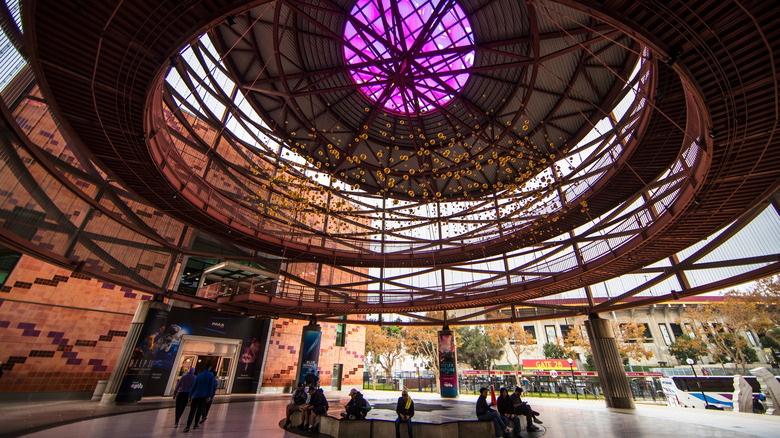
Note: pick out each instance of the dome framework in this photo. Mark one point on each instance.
(545, 205)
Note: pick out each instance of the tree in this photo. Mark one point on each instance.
(721, 324)
(630, 339)
(685, 347)
(764, 299)
(628, 335)
(576, 338)
(520, 342)
(590, 362)
(748, 353)
(423, 343)
(478, 347)
(552, 350)
(385, 346)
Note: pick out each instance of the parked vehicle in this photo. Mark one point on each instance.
(690, 392)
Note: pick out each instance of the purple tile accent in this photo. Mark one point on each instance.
(130, 295)
(146, 297)
(55, 334)
(69, 354)
(73, 361)
(125, 289)
(28, 329)
(108, 286)
(5, 324)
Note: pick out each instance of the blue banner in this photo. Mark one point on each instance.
(310, 351)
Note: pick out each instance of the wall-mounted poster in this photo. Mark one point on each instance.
(149, 343)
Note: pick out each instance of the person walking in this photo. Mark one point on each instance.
(485, 413)
(207, 406)
(405, 410)
(201, 392)
(182, 393)
(312, 379)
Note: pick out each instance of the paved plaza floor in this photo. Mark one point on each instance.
(259, 416)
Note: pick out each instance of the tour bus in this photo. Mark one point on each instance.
(684, 391)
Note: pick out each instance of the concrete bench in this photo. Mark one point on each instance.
(377, 428)
(373, 428)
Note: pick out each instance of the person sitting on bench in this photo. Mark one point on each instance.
(524, 409)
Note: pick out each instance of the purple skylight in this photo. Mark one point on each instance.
(410, 56)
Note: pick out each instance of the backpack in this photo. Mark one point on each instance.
(299, 398)
(366, 407)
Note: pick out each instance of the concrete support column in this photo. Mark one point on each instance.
(612, 375)
(112, 387)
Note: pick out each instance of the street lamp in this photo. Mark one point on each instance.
(576, 393)
(690, 362)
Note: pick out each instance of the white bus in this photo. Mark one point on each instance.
(686, 392)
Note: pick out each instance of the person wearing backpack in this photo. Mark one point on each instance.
(299, 398)
(358, 407)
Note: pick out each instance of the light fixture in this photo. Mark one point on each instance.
(571, 368)
(695, 376)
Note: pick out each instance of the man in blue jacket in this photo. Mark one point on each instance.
(201, 392)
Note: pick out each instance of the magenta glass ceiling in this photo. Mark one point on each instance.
(410, 56)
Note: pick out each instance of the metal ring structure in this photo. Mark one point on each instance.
(589, 140)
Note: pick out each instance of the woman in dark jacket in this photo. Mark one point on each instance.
(507, 409)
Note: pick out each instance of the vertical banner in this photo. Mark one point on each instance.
(250, 362)
(142, 358)
(309, 358)
(448, 373)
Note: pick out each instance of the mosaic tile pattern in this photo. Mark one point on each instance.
(283, 348)
(60, 331)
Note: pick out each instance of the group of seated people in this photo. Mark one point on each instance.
(510, 408)
(310, 401)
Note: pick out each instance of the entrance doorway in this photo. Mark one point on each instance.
(337, 370)
(200, 353)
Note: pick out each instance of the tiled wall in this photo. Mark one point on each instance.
(62, 331)
(59, 330)
(284, 345)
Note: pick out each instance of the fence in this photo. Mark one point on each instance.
(644, 389)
